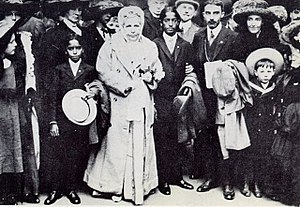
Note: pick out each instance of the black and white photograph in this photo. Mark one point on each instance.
(150, 102)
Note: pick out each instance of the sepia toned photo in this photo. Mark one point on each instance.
(150, 102)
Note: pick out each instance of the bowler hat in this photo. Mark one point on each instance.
(264, 53)
(243, 8)
(78, 107)
(193, 2)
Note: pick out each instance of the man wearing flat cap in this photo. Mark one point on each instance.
(187, 10)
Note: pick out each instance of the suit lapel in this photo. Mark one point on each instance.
(68, 70)
(80, 70)
(165, 48)
(177, 48)
(220, 42)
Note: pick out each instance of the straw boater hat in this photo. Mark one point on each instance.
(288, 34)
(243, 8)
(79, 109)
(193, 2)
(264, 53)
(99, 7)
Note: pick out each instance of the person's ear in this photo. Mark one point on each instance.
(255, 72)
(222, 14)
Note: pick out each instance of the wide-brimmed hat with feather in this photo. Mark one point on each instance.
(290, 34)
(243, 8)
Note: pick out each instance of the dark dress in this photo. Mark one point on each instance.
(290, 100)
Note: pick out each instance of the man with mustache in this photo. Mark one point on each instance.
(212, 43)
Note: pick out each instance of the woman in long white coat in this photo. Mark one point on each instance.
(128, 64)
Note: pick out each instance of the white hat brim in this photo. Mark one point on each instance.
(87, 107)
(264, 53)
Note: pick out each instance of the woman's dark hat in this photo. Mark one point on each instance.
(243, 8)
(23, 7)
(7, 28)
(99, 7)
(289, 32)
(54, 8)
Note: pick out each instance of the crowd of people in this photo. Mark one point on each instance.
(119, 98)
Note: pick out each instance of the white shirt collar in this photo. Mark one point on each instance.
(170, 38)
(215, 31)
(74, 66)
(170, 41)
(185, 25)
(72, 26)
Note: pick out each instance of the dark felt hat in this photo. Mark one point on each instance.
(54, 8)
(23, 7)
(290, 32)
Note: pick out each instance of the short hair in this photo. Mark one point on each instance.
(73, 36)
(214, 2)
(169, 9)
(264, 62)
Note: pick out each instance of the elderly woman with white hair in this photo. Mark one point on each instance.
(128, 64)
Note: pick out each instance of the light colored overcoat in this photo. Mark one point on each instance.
(126, 161)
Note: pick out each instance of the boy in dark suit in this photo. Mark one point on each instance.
(69, 142)
(174, 53)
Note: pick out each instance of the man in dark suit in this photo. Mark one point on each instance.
(152, 27)
(103, 13)
(212, 43)
(174, 54)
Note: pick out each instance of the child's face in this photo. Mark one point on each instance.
(74, 50)
(264, 73)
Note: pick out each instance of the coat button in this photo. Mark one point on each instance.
(259, 114)
(118, 70)
(258, 130)
(115, 99)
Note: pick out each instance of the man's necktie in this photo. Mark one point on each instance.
(211, 37)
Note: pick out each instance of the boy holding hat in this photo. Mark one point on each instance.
(262, 64)
(187, 10)
(68, 127)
